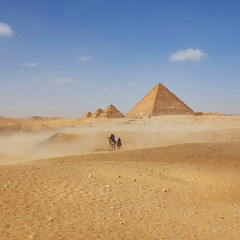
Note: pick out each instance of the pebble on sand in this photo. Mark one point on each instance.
(31, 236)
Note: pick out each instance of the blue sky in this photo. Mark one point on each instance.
(65, 57)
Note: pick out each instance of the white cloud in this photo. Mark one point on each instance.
(131, 84)
(189, 54)
(63, 80)
(85, 58)
(5, 30)
(30, 64)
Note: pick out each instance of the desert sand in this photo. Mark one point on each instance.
(176, 177)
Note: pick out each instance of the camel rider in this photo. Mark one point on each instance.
(112, 137)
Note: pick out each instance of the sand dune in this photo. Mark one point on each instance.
(61, 138)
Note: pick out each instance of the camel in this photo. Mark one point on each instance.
(112, 143)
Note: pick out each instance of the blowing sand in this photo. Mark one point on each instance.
(177, 177)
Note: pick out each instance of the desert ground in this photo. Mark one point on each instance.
(176, 177)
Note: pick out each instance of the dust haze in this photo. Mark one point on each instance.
(38, 138)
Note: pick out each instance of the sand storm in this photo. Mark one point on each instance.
(75, 137)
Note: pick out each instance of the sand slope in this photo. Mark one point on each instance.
(187, 191)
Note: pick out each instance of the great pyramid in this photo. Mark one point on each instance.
(87, 115)
(97, 113)
(159, 101)
(111, 112)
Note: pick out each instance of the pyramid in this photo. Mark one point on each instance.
(111, 112)
(97, 113)
(159, 101)
(87, 115)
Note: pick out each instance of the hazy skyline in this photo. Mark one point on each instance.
(64, 58)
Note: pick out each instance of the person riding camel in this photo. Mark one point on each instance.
(112, 137)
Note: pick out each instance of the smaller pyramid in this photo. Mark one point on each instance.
(111, 112)
(87, 115)
(97, 113)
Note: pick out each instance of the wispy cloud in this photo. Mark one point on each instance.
(30, 64)
(85, 58)
(188, 54)
(63, 80)
(5, 30)
(131, 84)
